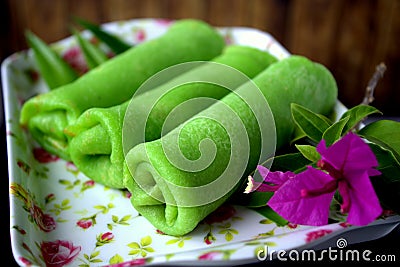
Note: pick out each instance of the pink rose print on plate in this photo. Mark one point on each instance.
(104, 238)
(58, 253)
(25, 261)
(314, 235)
(45, 222)
(76, 60)
(85, 224)
(212, 255)
(136, 262)
(43, 156)
(140, 35)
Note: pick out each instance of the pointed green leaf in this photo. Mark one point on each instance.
(94, 254)
(125, 218)
(116, 259)
(385, 133)
(145, 241)
(309, 152)
(389, 166)
(172, 241)
(356, 115)
(312, 124)
(266, 221)
(334, 132)
(134, 245)
(228, 236)
(256, 199)
(149, 249)
(298, 134)
(116, 44)
(294, 162)
(267, 212)
(93, 55)
(54, 70)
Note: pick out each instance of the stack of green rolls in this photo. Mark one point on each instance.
(96, 137)
(177, 180)
(115, 81)
(180, 121)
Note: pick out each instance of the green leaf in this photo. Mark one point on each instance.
(145, 241)
(172, 241)
(298, 134)
(113, 42)
(385, 133)
(93, 55)
(294, 162)
(134, 245)
(228, 236)
(312, 124)
(125, 218)
(309, 152)
(389, 166)
(94, 254)
(255, 199)
(149, 249)
(267, 212)
(116, 259)
(356, 115)
(54, 70)
(334, 132)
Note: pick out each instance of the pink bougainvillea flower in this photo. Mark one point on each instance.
(271, 180)
(352, 170)
(296, 202)
(345, 166)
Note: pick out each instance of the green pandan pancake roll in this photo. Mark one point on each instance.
(96, 137)
(177, 180)
(115, 81)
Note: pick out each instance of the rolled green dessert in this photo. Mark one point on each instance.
(96, 137)
(115, 81)
(177, 180)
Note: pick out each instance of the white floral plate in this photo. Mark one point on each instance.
(59, 217)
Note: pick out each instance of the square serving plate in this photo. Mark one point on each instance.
(60, 217)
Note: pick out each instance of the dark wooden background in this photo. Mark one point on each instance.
(349, 37)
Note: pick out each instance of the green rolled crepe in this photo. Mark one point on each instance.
(96, 137)
(177, 180)
(114, 82)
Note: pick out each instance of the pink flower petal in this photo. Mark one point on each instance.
(349, 154)
(310, 210)
(364, 206)
(276, 177)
